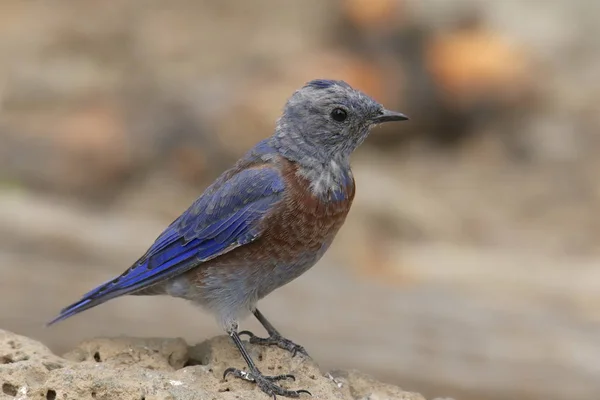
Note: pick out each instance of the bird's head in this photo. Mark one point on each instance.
(330, 119)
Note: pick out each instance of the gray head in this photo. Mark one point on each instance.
(327, 120)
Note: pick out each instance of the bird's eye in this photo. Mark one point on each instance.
(339, 114)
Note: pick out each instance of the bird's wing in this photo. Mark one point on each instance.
(226, 216)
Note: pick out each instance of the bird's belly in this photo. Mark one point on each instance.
(281, 273)
(230, 288)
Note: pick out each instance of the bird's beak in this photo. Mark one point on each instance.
(389, 116)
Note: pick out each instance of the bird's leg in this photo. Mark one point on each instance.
(274, 339)
(265, 383)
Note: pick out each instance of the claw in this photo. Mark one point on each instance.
(250, 334)
(228, 371)
(278, 341)
(281, 377)
(267, 383)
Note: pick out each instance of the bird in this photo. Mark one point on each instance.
(262, 223)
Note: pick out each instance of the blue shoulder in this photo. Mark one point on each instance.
(260, 150)
(245, 197)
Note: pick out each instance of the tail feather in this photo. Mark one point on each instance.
(88, 301)
(71, 310)
(136, 278)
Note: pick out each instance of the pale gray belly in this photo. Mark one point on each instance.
(232, 291)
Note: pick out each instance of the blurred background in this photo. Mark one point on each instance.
(469, 266)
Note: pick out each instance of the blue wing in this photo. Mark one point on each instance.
(226, 216)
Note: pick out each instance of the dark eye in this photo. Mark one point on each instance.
(339, 115)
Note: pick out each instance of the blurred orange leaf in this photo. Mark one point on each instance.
(472, 62)
(369, 14)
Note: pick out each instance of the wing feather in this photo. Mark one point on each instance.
(226, 216)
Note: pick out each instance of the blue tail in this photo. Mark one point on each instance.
(173, 259)
(75, 308)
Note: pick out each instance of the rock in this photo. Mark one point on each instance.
(24, 363)
(15, 348)
(159, 354)
(362, 386)
(127, 368)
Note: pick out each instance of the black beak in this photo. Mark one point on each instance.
(389, 116)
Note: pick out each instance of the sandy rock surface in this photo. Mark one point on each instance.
(154, 369)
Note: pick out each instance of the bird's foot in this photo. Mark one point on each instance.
(276, 340)
(266, 383)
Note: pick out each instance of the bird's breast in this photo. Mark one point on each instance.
(303, 223)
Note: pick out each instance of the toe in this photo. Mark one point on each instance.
(228, 371)
(267, 385)
(299, 350)
(281, 377)
(238, 373)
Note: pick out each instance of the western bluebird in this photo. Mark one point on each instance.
(262, 223)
